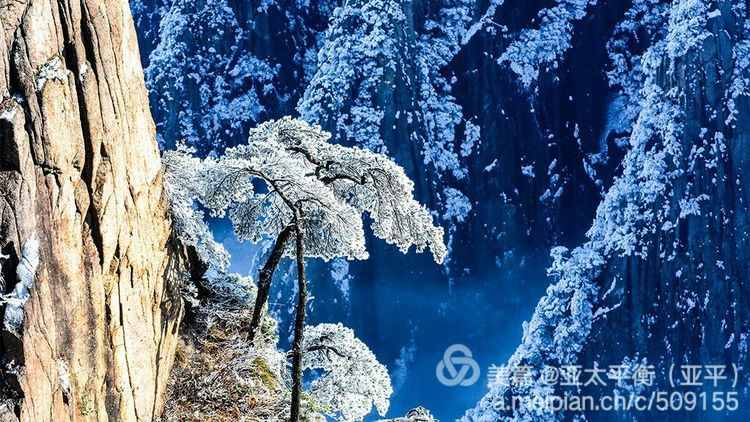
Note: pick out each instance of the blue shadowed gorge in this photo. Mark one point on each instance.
(588, 161)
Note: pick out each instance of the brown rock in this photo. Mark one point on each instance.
(80, 172)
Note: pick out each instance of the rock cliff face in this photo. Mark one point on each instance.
(663, 278)
(83, 218)
(683, 298)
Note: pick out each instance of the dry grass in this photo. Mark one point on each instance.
(218, 376)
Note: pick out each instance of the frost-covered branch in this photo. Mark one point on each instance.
(187, 219)
(353, 380)
(330, 185)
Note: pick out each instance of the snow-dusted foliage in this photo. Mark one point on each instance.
(687, 26)
(219, 373)
(206, 88)
(633, 211)
(53, 70)
(543, 47)
(321, 187)
(180, 183)
(369, 60)
(352, 380)
(361, 49)
(457, 205)
(25, 274)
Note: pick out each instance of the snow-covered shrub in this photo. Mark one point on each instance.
(457, 205)
(53, 70)
(351, 379)
(180, 183)
(218, 375)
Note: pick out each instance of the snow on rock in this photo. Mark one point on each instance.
(472, 134)
(25, 273)
(53, 70)
(633, 209)
(528, 171)
(457, 205)
(536, 49)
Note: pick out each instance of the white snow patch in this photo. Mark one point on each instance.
(457, 205)
(15, 300)
(53, 70)
(8, 114)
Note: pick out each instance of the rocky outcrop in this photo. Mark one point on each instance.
(419, 414)
(80, 177)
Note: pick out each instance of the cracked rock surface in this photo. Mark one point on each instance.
(80, 172)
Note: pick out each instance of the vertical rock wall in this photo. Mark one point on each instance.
(80, 174)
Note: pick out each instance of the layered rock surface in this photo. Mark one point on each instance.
(80, 175)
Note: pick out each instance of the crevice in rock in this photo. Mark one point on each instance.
(70, 56)
(11, 356)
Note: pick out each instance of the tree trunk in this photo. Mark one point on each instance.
(299, 325)
(265, 277)
(80, 176)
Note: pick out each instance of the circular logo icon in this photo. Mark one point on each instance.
(454, 369)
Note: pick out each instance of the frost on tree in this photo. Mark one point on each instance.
(306, 185)
(205, 88)
(290, 183)
(187, 220)
(331, 186)
(352, 379)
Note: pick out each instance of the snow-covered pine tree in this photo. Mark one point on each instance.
(314, 192)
